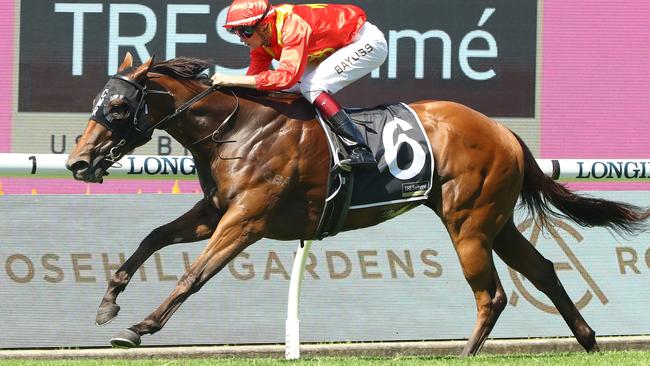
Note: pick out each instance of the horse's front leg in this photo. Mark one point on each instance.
(240, 227)
(196, 224)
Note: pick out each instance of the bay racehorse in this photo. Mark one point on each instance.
(239, 138)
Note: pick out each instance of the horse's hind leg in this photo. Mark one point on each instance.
(474, 206)
(473, 243)
(518, 253)
(196, 224)
(490, 305)
(499, 302)
(475, 256)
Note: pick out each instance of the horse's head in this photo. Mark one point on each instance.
(118, 123)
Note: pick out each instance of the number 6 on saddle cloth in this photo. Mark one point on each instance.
(404, 172)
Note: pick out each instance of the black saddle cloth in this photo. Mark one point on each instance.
(405, 162)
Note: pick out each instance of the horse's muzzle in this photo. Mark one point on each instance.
(83, 171)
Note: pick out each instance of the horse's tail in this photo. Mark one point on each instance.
(539, 192)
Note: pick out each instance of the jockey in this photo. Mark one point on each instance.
(321, 48)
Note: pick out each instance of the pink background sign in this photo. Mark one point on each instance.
(595, 100)
(6, 72)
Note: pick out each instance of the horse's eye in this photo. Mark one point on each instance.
(118, 109)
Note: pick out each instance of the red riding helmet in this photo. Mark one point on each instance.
(243, 13)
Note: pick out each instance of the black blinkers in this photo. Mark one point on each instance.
(134, 127)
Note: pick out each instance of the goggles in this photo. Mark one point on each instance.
(244, 32)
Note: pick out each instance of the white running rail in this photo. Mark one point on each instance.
(182, 167)
(129, 167)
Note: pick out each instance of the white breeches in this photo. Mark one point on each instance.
(367, 52)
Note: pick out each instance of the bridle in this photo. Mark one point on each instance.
(142, 131)
(140, 127)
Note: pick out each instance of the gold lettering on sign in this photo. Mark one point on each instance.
(9, 268)
(273, 265)
(365, 263)
(248, 267)
(310, 266)
(45, 261)
(334, 274)
(394, 259)
(630, 261)
(424, 256)
(77, 267)
(335, 265)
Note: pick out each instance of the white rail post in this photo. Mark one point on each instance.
(292, 330)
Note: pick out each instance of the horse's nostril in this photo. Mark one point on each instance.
(78, 165)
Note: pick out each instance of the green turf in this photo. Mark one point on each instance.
(563, 359)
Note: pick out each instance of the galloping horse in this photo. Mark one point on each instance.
(239, 138)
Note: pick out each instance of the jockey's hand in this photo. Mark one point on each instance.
(219, 79)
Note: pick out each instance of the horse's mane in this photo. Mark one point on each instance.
(183, 68)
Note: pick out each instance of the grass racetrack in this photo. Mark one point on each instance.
(573, 359)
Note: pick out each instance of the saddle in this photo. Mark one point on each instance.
(403, 174)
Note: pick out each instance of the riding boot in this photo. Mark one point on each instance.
(360, 155)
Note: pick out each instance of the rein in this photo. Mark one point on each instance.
(214, 136)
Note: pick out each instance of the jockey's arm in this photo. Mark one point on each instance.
(292, 64)
(260, 61)
(293, 60)
(244, 81)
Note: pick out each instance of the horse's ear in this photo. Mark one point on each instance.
(142, 71)
(128, 62)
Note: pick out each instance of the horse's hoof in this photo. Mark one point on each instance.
(126, 339)
(594, 348)
(106, 314)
